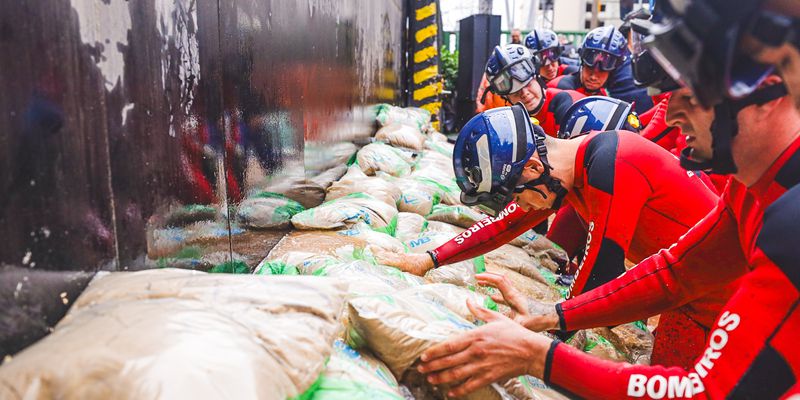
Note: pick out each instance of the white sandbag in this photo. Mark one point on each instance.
(355, 181)
(322, 243)
(452, 297)
(354, 375)
(399, 327)
(362, 277)
(346, 211)
(444, 227)
(179, 334)
(322, 156)
(515, 259)
(327, 177)
(427, 241)
(401, 136)
(462, 216)
(387, 114)
(269, 210)
(374, 240)
(531, 288)
(461, 274)
(304, 191)
(382, 157)
(409, 226)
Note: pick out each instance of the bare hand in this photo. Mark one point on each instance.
(499, 350)
(532, 314)
(414, 263)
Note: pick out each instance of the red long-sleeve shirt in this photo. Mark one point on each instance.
(752, 352)
(554, 108)
(573, 82)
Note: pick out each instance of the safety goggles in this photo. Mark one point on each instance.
(521, 70)
(711, 73)
(597, 58)
(551, 54)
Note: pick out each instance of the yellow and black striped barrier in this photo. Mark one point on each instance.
(426, 80)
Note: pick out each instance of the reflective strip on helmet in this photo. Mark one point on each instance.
(484, 163)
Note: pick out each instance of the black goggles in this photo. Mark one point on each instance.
(552, 54)
(597, 58)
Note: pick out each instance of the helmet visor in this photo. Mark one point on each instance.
(521, 70)
(551, 54)
(597, 58)
(680, 52)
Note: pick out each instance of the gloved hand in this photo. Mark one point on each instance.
(414, 263)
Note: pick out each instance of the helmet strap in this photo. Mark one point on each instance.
(552, 184)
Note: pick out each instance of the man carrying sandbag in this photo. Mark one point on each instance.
(633, 196)
(751, 352)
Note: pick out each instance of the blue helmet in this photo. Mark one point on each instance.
(544, 44)
(598, 113)
(490, 154)
(509, 69)
(604, 46)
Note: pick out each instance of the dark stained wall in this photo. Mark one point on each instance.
(114, 113)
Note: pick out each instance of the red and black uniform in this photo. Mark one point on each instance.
(573, 82)
(554, 108)
(750, 236)
(635, 200)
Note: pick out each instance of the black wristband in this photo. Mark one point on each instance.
(562, 324)
(548, 361)
(433, 257)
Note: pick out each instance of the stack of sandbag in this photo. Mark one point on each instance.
(418, 118)
(346, 211)
(184, 335)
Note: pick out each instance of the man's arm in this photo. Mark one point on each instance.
(489, 234)
(706, 258)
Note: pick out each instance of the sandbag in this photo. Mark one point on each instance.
(460, 274)
(327, 177)
(593, 342)
(267, 210)
(387, 114)
(382, 157)
(633, 339)
(427, 241)
(531, 288)
(440, 146)
(398, 328)
(321, 243)
(401, 136)
(304, 191)
(374, 239)
(355, 181)
(409, 225)
(180, 334)
(531, 388)
(416, 196)
(346, 211)
(542, 248)
(515, 259)
(354, 375)
(364, 278)
(319, 157)
(452, 297)
(462, 216)
(444, 227)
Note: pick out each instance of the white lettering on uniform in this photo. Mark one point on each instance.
(585, 255)
(484, 223)
(636, 385)
(657, 386)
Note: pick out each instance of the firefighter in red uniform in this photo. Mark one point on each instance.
(604, 49)
(750, 236)
(511, 71)
(545, 47)
(631, 194)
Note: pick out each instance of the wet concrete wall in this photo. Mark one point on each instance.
(116, 116)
